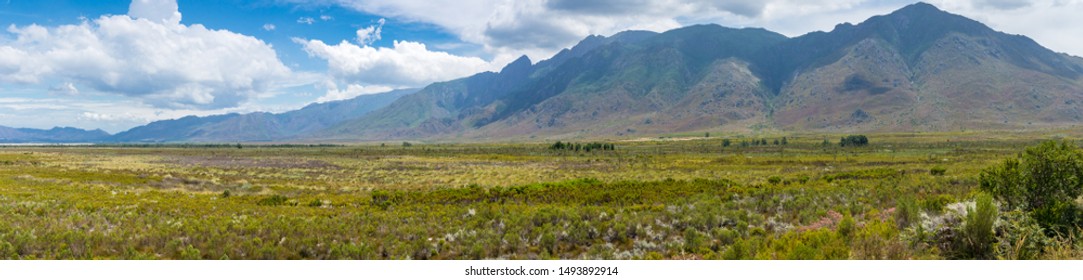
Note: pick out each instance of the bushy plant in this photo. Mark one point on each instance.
(1044, 181)
(907, 213)
(938, 171)
(978, 228)
(1019, 237)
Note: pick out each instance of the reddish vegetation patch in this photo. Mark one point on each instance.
(830, 221)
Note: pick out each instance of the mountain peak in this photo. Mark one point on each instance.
(919, 7)
(520, 65)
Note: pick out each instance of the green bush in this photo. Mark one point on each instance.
(846, 226)
(1020, 238)
(1044, 181)
(907, 213)
(978, 228)
(938, 171)
(274, 200)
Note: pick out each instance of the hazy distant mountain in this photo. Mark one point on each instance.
(254, 127)
(55, 135)
(916, 69)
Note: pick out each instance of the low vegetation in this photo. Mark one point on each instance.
(691, 199)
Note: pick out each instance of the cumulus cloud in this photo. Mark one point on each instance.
(306, 20)
(406, 64)
(269, 27)
(368, 35)
(148, 55)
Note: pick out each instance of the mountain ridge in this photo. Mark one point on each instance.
(915, 69)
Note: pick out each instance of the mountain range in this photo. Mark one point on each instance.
(916, 69)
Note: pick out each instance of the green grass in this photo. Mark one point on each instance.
(691, 199)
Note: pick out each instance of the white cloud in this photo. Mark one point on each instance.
(65, 89)
(406, 64)
(306, 20)
(326, 17)
(368, 35)
(351, 91)
(147, 55)
(269, 27)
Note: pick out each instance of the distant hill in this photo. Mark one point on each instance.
(916, 69)
(257, 127)
(55, 135)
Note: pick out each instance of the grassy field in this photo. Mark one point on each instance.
(900, 197)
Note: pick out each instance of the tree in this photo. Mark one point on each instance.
(854, 140)
(1043, 181)
(726, 142)
(784, 142)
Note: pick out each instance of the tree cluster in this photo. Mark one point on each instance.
(854, 140)
(586, 147)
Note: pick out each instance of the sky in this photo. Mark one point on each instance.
(114, 65)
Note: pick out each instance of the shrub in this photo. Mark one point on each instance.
(937, 171)
(978, 228)
(274, 200)
(693, 240)
(1019, 237)
(1044, 181)
(774, 180)
(846, 226)
(907, 213)
(726, 142)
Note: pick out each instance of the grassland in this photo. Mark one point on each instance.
(688, 199)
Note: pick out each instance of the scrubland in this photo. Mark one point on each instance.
(902, 196)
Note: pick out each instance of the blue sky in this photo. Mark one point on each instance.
(118, 64)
